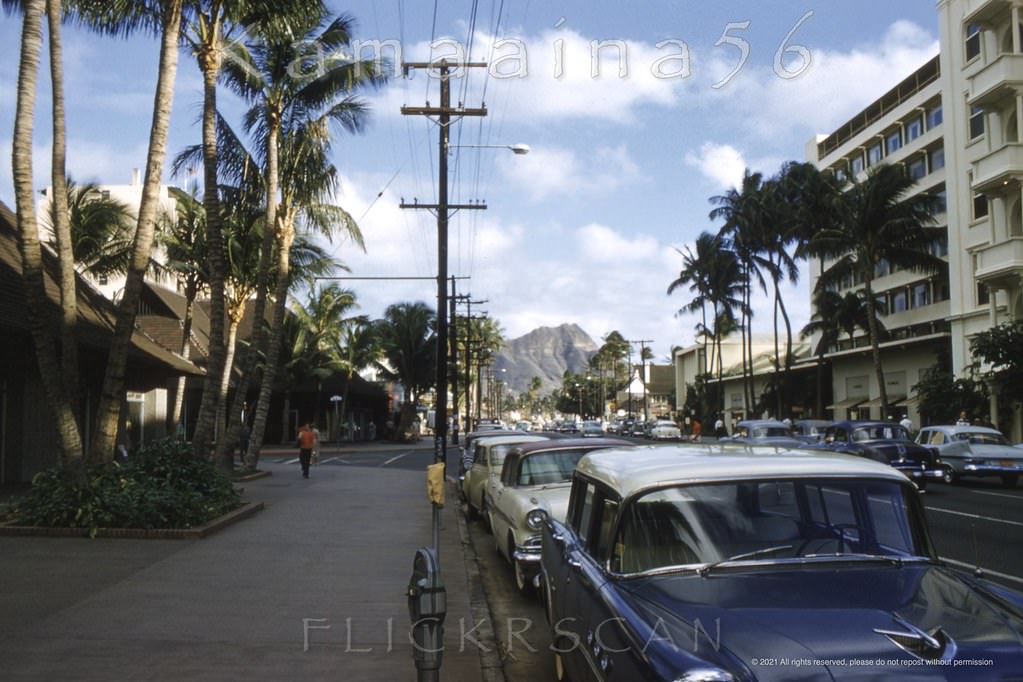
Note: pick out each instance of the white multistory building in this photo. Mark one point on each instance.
(904, 126)
(982, 83)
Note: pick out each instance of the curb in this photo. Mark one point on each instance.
(492, 667)
(243, 512)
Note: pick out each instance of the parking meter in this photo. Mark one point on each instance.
(427, 607)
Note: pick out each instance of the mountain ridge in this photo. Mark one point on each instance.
(545, 352)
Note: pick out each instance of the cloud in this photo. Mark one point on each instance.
(834, 86)
(559, 172)
(722, 164)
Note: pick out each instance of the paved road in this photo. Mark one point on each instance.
(979, 522)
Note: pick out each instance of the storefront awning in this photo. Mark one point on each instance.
(847, 403)
(893, 399)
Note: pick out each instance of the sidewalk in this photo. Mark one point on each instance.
(312, 587)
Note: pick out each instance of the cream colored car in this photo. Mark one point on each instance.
(487, 457)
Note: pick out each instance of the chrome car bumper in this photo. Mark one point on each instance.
(528, 552)
(994, 469)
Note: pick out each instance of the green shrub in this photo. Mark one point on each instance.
(162, 486)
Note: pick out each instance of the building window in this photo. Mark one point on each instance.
(882, 304)
(917, 168)
(934, 117)
(921, 295)
(874, 154)
(840, 176)
(914, 129)
(102, 280)
(979, 206)
(893, 142)
(983, 295)
(881, 268)
(976, 122)
(936, 159)
(939, 248)
(942, 291)
(899, 301)
(857, 165)
(972, 42)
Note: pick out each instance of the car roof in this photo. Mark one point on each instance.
(762, 422)
(642, 467)
(571, 444)
(962, 428)
(851, 424)
(488, 441)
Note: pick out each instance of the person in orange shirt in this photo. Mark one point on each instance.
(306, 443)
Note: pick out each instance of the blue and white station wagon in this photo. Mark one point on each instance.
(688, 563)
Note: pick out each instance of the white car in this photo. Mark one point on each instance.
(665, 429)
(487, 457)
(533, 486)
(974, 451)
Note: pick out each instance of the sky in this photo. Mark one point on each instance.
(626, 148)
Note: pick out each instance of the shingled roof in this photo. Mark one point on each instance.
(96, 314)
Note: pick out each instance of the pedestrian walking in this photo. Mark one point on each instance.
(243, 442)
(963, 420)
(907, 423)
(306, 441)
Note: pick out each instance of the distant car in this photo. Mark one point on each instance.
(665, 429)
(764, 432)
(524, 426)
(533, 487)
(974, 451)
(884, 442)
(615, 426)
(591, 428)
(568, 426)
(810, 430)
(488, 456)
(638, 428)
(685, 563)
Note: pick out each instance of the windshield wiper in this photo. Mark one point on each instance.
(860, 556)
(704, 570)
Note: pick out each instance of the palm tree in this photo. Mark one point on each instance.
(291, 115)
(184, 242)
(696, 274)
(357, 348)
(53, 379)
(210, 35)
(743, 212)
(408, 345)
(877, 220)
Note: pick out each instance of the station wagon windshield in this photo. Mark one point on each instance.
(768, 521)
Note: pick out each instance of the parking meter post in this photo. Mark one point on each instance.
(427, 605)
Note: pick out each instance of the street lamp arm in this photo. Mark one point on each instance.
(519, 149)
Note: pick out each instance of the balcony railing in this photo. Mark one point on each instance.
(1002, 76)
(998, 167)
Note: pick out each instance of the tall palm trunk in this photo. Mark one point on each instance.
(206, 422)
(68, 436)
(186, 352)
(273, 351)
(875, 341)
(256, 342)
(61, 221)
(225, 444)
(112, 397)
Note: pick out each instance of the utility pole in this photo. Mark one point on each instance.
(454, 364)
(443, 115)
(429, 669)
(467, 298)
(642, 357)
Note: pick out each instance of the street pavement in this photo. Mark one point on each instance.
(311, 587)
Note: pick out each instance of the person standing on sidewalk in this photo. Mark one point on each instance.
(306, 443)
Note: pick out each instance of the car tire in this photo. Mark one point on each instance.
(470, 511)
(522, 582)
(922, 485)
(950, 476)
(485, 518)
(1009, 480)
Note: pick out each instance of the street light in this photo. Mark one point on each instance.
(519, 149)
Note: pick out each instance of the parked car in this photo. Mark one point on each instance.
(689, 563)
(974, 451)
(810, 430)
(884, 442)
(533, 486)
(488, 456)
(665, 429)
(615, 426)
(469, 446)
(591, 428)
(764, 432)
(638, 428)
